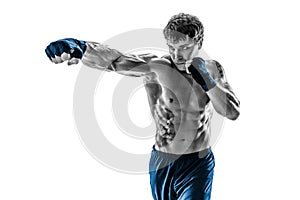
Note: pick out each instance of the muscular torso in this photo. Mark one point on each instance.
(176, 95)
(172, 93)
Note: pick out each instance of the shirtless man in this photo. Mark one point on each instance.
(182, 90)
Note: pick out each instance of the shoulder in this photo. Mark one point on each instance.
(153, 59)
(215, 68)
(147, 56)
(164, 60)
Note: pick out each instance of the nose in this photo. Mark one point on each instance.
(177, 55)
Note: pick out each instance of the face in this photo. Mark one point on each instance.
(183, 51)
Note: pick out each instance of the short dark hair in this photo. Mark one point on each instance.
(183, 24)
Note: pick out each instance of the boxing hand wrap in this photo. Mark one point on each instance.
(74, 47)
(201, 75)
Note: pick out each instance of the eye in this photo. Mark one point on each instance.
(185, 48)
(171, 48)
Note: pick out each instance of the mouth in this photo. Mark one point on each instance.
(179, 63)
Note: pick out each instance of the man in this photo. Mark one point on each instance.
(182, 90)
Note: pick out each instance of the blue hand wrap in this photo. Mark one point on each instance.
(66, 45)
(201, 75)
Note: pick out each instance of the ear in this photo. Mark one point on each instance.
(199, 43)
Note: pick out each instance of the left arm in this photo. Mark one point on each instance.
(210, 76)
(222, 97)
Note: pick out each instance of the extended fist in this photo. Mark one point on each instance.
(67, 49)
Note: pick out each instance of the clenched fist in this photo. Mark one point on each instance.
(67, 49)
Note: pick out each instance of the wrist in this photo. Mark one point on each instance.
(82, 44)
(201, 75)
(210, 83)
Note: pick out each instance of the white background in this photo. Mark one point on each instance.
(41, 155)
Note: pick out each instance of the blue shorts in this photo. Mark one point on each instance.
(185, 177)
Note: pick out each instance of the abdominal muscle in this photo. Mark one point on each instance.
(191, 130)
(189, 106)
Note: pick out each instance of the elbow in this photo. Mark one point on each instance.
(233, 116)
(230, 113)
(233, 109)
(228, 108)
(234, 113)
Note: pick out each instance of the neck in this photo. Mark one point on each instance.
(181, 68)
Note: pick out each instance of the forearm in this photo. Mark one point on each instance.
(215, 84)
(224, 101)
(100, 56)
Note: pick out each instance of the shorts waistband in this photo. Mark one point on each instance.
(198, 154)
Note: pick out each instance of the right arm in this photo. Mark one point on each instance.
(98, 56)
(104, 58)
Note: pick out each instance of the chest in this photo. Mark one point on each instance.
(180, 91)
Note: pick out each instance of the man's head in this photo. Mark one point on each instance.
(184, 36)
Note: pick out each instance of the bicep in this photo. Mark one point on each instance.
(220, 77)
(133, 65)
